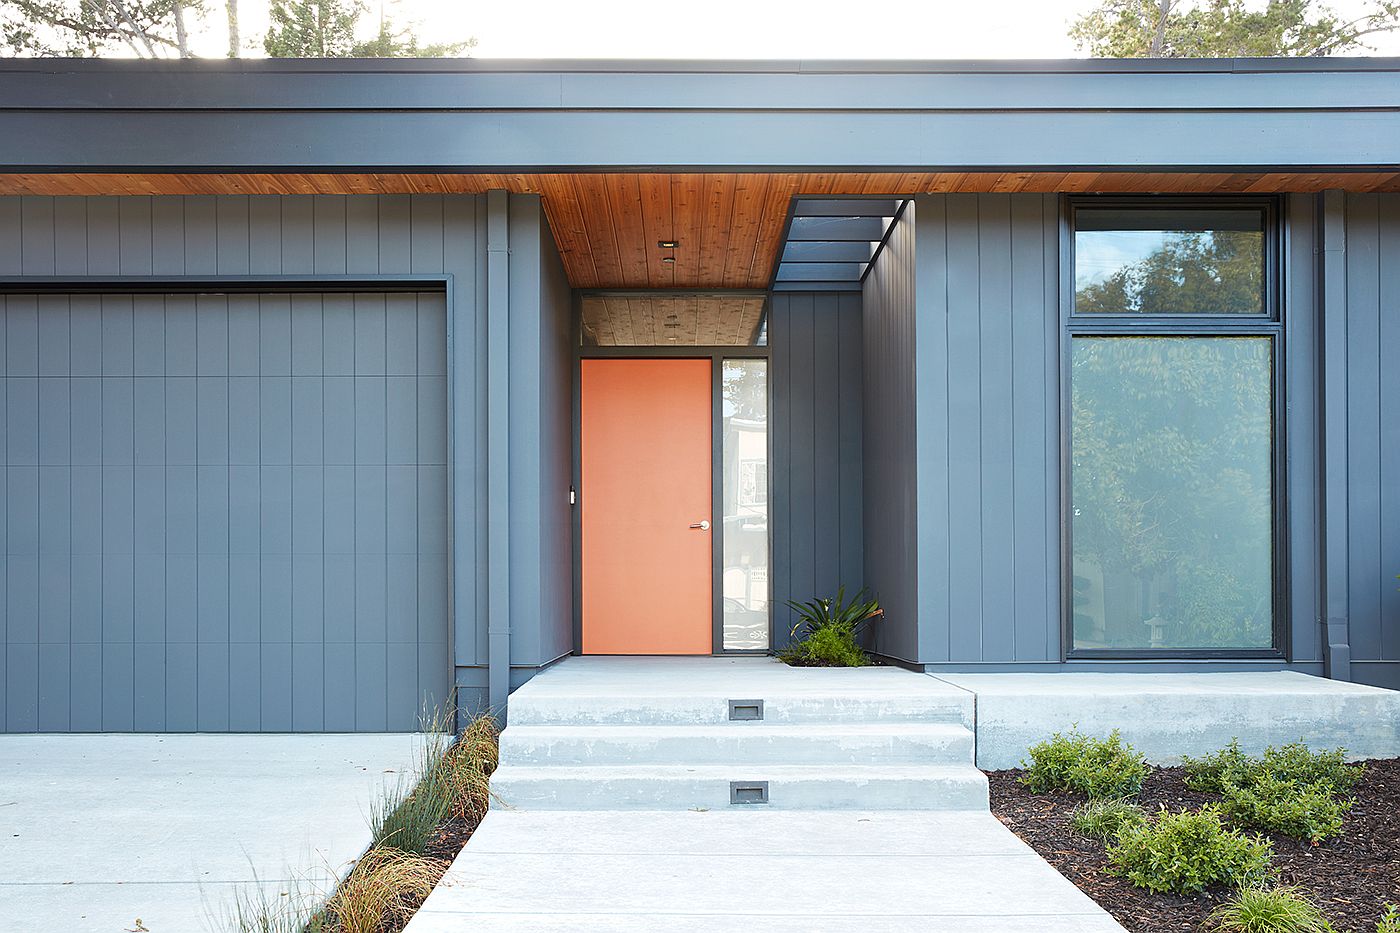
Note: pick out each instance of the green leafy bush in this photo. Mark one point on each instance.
(1390, 923)
(1268, 910)
(1185, 853)
(1308, 812)
(1294, 762)
(826, 631)
(1209, 773)
(1102, 819)
(1289, 789)
(1100, 768)
(832, 647)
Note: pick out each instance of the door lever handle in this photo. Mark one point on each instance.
(703, 526)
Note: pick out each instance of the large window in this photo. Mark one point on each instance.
(1173, 348)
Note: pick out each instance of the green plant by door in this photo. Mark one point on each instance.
(826, 631)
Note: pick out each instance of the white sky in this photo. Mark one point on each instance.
(735, 28)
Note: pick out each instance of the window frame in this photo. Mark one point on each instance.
(1270, 325)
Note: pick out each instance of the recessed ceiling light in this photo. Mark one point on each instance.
(668, 244)
(668, 258)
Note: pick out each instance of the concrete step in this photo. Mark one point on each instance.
(677, 787)
(746, 743)
(534, 707)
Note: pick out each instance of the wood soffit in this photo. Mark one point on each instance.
(729, 226)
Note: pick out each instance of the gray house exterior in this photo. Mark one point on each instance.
(296, 435)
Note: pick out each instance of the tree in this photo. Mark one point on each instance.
(327, 29)
(234, 44)
(1226, 28)
(144, 28)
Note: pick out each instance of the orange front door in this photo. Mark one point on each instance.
(645, 449)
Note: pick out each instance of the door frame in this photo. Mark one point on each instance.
(716, 356)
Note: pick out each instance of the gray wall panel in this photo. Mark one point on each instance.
(982, 561)
(200, 539)
(890, 407)
(541, 440)
(1373, 433)
(816, 388)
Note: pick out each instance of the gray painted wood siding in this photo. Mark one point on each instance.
(542, 375)
(963, 429)
(1373, 433)
(259, 236)
(891, 400)
(987, 298)
(224, 512)
(816, 391)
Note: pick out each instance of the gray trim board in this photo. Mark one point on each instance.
(498, 476)
(405, 116)
(1333, 316)
(703, 140)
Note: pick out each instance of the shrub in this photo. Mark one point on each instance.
(1329, 770)
(1293, 762)
(1289, 789)
(1309, 812)
(1187, 852)
(386, 885)
(1102, 819)
(1102, 768)
(1268, 910)
(826, 631)
(1209, 773)
(1390, 923)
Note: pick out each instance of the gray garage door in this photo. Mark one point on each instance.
(223, 512)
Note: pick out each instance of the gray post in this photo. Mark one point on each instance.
(498, 450)
(1332, 460)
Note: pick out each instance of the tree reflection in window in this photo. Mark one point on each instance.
(1171, 491)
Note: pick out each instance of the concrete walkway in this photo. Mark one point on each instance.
(759, 871)
(98, 831)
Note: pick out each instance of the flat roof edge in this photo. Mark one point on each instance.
(703, 66)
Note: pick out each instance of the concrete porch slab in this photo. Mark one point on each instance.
(763, 871)
(99, 830)
(694, 690)
(1167, 716)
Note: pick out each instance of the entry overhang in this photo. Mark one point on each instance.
(480, 116)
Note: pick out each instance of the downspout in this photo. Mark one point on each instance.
(498, 451)
(1332, 448)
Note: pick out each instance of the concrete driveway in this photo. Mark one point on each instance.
(113, 833)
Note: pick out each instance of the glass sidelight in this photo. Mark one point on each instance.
(744, 544)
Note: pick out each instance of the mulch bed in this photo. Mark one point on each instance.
(1351, 877)
(446, 842)
(449, 838)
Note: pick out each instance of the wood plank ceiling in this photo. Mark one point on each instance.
(728, 226)
(653, 320)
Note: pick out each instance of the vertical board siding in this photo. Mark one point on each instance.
(230, 512)
(181, 542)
(1373, 428)
(891, 467)
(816, 389)
(541, 439)
(962, 428)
